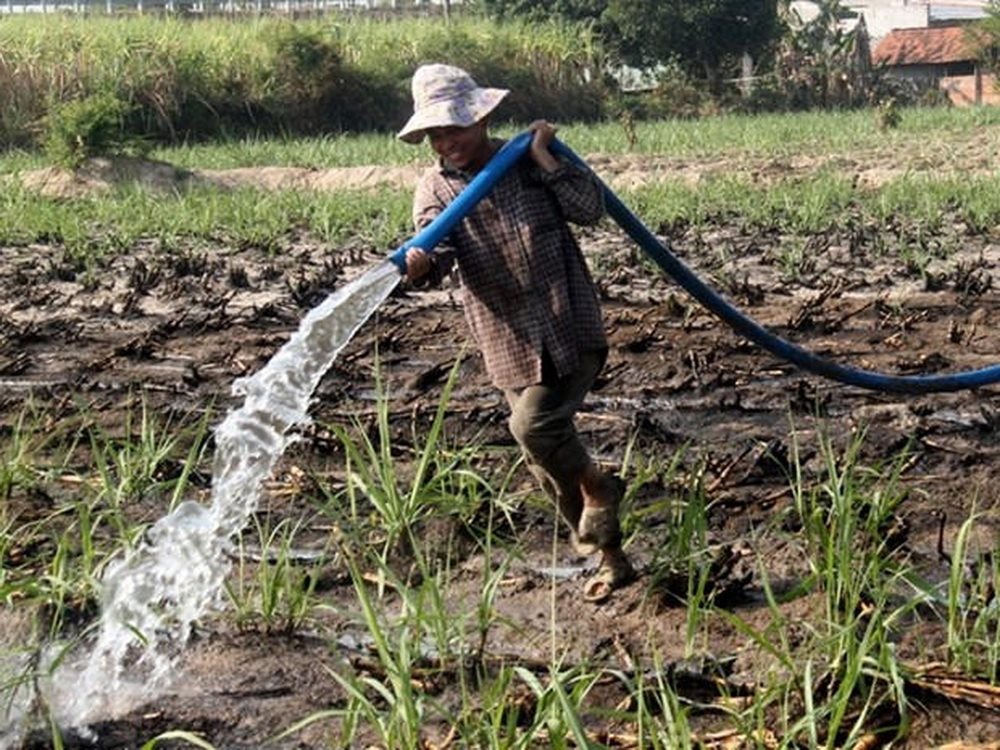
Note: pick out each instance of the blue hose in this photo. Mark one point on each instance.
(428, 238)
(748, 327)
(683, 275)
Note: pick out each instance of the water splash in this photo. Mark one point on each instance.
(152, 596)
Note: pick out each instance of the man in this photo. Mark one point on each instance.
(527, 293)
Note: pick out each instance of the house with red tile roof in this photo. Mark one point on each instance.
(946, 56)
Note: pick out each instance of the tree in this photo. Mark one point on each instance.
(706, 37)
(820, 63)
(984, 38)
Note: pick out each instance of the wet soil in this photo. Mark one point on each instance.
(175, 329)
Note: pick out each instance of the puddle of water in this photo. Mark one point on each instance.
(563, 572)
(152, 596)
(646, 403)
(362, 643)
(962, 419)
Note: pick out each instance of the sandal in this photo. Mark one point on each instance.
(580, 547)
(612, 574)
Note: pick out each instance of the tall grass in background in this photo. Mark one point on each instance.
(554, 68)
(166, 65)
(182, 79)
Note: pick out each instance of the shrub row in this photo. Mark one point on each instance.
(168, 80)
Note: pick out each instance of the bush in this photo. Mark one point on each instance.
(81, 128)
(887, 115)
(307, 69)
(317, 91)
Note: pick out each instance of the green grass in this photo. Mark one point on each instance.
(105, 226)
(760, 136)
(913, 207)
(346, 150)
(108, 225)
(845, 520)
(273, 593)
(973, 605)
(831, 676)
(95, 487)
(781, 135)
(828, 677)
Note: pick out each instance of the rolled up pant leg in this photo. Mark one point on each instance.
(541, 421)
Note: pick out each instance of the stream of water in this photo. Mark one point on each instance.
(152, 596)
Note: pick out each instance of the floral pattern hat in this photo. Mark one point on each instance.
(444, 96)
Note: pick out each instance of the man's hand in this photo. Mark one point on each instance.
(544, 132)
(418, 263)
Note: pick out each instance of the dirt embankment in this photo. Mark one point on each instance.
(961, 156)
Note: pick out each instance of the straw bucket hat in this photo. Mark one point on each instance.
(443, 96)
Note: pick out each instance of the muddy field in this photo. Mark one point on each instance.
(176, 331)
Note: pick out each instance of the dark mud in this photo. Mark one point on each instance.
(174, 330)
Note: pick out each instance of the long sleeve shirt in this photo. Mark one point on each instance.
(526, 288)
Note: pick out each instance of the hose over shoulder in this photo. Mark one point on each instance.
(515, 149)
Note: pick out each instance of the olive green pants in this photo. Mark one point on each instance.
(542, 422)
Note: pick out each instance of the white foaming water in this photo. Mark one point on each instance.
(151, 597)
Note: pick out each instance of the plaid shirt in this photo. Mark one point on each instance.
(525, 285)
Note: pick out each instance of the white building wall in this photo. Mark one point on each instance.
(882, 16)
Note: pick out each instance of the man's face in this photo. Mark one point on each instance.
(463, 148)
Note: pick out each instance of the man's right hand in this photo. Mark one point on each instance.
(418, 263)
